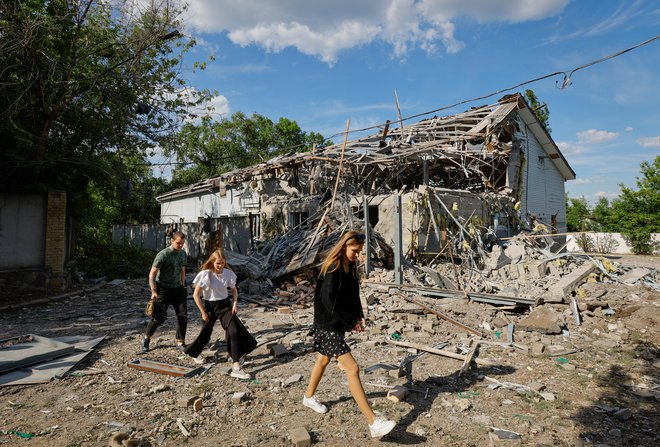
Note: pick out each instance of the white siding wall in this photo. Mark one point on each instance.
(544, 185)
(191, 208)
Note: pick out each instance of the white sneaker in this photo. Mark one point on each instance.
(381, 427)
(200, 360)
(314, 404)
(238, 373)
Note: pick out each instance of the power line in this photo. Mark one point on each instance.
(565, 83)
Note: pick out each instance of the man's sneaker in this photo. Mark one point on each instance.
(144, 345)
(181, 348)
(314, 404)
(200, 360)
(238, 373)
(381, 427)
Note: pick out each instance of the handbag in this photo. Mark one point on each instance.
(149, 311)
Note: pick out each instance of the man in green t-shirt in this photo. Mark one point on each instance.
(167, 280)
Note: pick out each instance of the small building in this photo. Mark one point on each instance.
(493, 168)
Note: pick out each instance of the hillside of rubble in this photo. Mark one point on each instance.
(534, 349)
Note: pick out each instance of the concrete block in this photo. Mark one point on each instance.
(187, 401)
(238, 397)
(276, 349)
(299, 437)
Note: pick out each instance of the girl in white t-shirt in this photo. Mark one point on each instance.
(214, 282)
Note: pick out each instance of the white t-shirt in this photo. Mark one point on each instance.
(214, 285)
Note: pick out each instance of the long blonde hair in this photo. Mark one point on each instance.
(218, 254)
(334, 259)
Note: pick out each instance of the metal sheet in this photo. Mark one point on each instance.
(29, 350)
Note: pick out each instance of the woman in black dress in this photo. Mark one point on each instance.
(337, 309)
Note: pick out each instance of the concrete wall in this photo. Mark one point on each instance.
(234, 232)
(415, 227)
(614, 240)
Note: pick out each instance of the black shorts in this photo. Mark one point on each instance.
(330, 343)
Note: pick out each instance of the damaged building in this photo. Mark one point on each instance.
(491, 171)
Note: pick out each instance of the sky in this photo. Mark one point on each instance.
(322, 63)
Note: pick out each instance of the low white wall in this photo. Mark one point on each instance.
(614, 240)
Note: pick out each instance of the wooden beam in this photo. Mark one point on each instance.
(164, 368)
(442, 352)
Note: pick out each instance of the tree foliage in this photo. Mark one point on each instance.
(209, 148)
(577, 214)
(81, 80)
(87, 87)
(635, 213)
(541, 110)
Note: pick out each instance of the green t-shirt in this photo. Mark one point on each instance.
(169, 263)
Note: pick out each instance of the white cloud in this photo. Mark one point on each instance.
(593, 136)
(569, 149)
(580, 181)
(629, 129)
(648, 141)
(324, 29)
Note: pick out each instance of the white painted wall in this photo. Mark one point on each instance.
(543, 184)
(622, 247)
(203, 204)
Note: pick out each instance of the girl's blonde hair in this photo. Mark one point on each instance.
(216, 255)
(335, 257)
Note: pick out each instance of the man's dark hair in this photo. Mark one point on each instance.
(178, 234)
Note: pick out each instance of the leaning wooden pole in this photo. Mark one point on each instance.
(341, 163)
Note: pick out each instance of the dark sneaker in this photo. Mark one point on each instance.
(144, 345)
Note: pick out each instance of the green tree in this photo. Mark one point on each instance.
(209, 148)
(87, 87)
(637, 213)
(541, 110)
(577, 214)
(602, 215)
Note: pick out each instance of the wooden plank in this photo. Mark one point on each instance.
(442, 352)
(164, 368)
(469, 357)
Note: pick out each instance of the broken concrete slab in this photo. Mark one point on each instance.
(569, 282)
(543, 320)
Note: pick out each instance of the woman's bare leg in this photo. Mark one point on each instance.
(314, 379)
(353, 375)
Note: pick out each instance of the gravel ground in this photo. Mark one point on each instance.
(595, 384)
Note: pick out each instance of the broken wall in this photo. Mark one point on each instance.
(419, 231)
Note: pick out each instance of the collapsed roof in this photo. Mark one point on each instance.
(466, 151)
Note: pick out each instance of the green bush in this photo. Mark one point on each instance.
(124, 261)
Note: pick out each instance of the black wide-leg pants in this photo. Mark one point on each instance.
(238, 338)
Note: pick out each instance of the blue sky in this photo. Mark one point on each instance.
(321, 63)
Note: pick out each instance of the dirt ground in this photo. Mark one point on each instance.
(594, 384)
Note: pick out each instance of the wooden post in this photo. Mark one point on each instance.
(341, 163)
